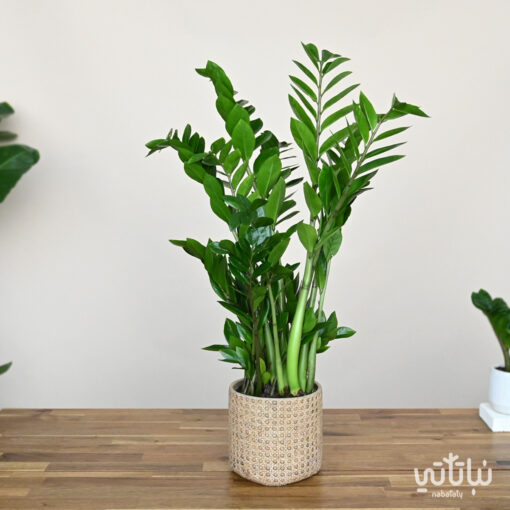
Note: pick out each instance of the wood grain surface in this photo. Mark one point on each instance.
(162, 459)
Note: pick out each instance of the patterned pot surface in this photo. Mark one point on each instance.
(275, 441)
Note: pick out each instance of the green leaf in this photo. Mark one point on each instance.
(336, 79)
(239, 174)
(344, 332)
(334, 64)
(326, 186)
(275, 199)
(243, 139)
(307, 235)
(305, 101)
(306, 89)
(309, 321)
(312, 52)
(15, 160)
(361, 122)
(390, 132)
(268, 174)
(5, 110)
(5, 367)
(231, 161)
(313, 201)
(332, 244)
(368, 110)
(306, 71)
(246, 186)
(215, 347)
(334, 139)
(224, 105)
(338, 97)
(336, 116)
(400, 109)
(376, 163)
(382, 150)
(7, 136)
(238, 202)
(277, 252)
(301, 114)
(236, 114)
(304, 138)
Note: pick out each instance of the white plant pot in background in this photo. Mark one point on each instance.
(499, 390)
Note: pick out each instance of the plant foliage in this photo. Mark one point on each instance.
(498, 313)
(249, 177)
(15, 160)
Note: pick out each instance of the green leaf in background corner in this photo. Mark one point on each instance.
(4, 368)
(5, 110)
(15, 160)
(307, 235)
(344, 332)
(368, 110)
(313, 201)
(243, 139)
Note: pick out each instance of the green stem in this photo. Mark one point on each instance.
(303, 363)
(296, 329)
(270, 350)
(278, 359)
(312, 354)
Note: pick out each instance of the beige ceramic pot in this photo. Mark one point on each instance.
(275, 441)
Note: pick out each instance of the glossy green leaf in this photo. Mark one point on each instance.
(307, 235)
(334, 139)
(275, 199)
(334, 64)
(390, 132)
(277, 252)
(336, 79)
(243, 139)
(304, 138)
(312, 52)
(231, 161)
(339, 114)
(301, 114)
(368, 110)
(5, 110)
(5, 367)
(306, 71)
(376, 163)
(268, 174)
(15, 160)
(330, 102)
(305, 88)
(361, 122)
(246, 186)
(313, 201)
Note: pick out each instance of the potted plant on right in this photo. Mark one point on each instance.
(15, 160)
(498, 313)
(280, 323)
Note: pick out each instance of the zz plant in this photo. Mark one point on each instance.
(15, 160)
(249, 176)
(498, 313)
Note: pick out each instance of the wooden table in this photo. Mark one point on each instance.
(160, 459)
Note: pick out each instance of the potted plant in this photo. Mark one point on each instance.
(280, 323)
(498, 313)
(15, 160)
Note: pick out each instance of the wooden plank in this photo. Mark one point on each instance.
(114, 459)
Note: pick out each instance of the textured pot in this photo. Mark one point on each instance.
(275, 441)
(499, 390)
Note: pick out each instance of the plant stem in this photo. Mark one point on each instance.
(278, 360)
(270, 350)
(296, 329)
(312, 355)
(303, 363)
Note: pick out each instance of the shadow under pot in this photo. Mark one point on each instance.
(275, 441)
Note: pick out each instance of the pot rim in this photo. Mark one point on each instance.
(497, 369)
(276, 399)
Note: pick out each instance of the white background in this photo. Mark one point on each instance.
(97, 309)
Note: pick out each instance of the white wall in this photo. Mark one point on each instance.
(97, 309)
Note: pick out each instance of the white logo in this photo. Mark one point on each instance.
(455, 470)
